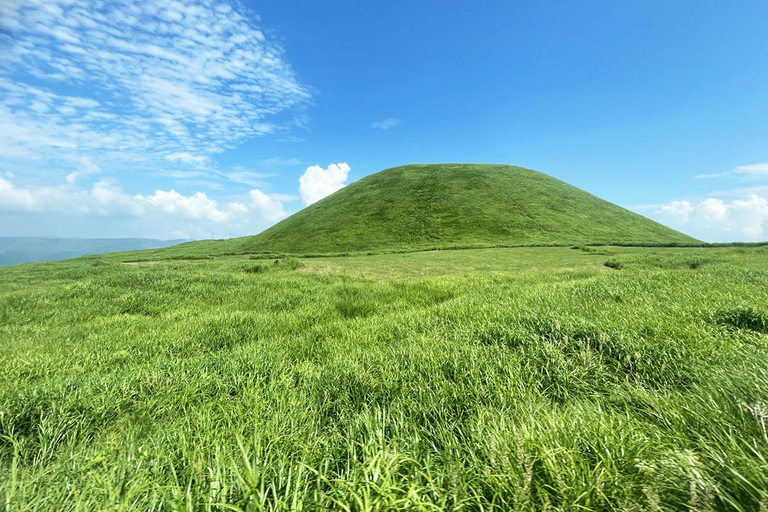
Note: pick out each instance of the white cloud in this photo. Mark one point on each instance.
(712, 210)
(195, 213)
(185, 157)
(754, 170)
(184, 175)
(317, 183)
(268, 206)
(157, 87)
(759, 170)
(286, 198)
(277, 162)
(741, 192)
(13, 199)
(678, 209)
(385, 124)
(86, 168)
(255, 179)
(716, 220)
(745, 171)
(145, 81)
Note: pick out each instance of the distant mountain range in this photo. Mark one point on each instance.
(26, 249)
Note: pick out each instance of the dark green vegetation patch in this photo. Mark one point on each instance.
(744, 317)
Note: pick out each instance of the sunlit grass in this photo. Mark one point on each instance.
(482, 379)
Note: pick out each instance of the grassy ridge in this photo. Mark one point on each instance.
(481, 379)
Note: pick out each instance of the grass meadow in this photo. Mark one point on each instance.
(495, 379)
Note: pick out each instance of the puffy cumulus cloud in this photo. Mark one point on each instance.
(86, 168)
(195, 214)
(678, 209)
(713, 210)
(317, 183)
(14, 199)
(195, 206)
(268, 206)
(716, 220)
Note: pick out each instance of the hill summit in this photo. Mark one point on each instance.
(456, 205)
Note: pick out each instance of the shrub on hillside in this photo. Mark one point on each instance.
(614, 263)
(277, 265)
(290, 263)
(693, 264)
(255, 269)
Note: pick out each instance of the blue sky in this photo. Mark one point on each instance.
(196, 118)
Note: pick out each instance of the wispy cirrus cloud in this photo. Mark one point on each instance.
(385, 124)
(256, 176)
(759, 170)
(186, 157)
(247, 177)
(153, 81)
(755, 170)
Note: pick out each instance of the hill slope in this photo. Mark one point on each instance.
(451, 205)
(454, 205)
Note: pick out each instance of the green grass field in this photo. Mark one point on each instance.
(494, 379)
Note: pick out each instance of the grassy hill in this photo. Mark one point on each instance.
(418, 207)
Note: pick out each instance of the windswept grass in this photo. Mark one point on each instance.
(525, 379)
